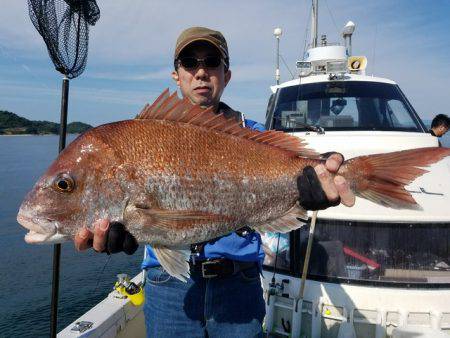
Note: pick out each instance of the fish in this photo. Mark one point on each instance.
(179, 174)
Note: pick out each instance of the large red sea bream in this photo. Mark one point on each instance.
(179, 174)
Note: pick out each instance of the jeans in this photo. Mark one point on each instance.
(224, 307)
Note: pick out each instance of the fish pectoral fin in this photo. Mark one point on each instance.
(179, 219)
(175, 262)
(285, 223)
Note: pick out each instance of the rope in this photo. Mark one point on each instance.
(332, 17)
(101, 273)
(305, 43)
(284, 62)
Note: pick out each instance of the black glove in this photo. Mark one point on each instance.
(312, 196)
(118, 239)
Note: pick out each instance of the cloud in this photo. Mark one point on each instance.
(24, 91)
(113, 96)
(252, 72)
(159, 74)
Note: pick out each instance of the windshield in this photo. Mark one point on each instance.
(343, 105)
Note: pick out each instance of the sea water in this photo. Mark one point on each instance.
(26, 270)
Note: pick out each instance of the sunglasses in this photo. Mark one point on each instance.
(190, 63)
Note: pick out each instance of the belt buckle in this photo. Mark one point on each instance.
(204, 273)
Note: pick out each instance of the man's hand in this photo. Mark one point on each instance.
(109, 238)
(319, 190)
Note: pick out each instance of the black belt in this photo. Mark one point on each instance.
(220, 267)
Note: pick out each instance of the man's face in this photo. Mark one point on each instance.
(440, 130)
(203, 86)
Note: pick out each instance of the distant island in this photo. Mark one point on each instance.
(13, 124)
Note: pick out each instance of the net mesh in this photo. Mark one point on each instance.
(64, 26)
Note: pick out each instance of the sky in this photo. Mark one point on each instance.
(131, 49)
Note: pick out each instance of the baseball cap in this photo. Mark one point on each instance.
(193, 34)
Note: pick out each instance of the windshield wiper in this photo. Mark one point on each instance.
(318, 129)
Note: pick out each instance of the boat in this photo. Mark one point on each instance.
(374, 271)
(368, 271)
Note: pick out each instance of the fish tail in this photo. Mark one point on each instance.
(382, 178)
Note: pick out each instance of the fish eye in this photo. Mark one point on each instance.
(64, 183)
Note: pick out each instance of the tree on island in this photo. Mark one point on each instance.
(13, 124)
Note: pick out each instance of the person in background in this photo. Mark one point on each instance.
(440, 125)
(223, 296)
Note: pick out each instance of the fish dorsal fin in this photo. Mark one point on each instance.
(171, 108)
(147, 111)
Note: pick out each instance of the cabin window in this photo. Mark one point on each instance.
(398, 114)
(393, 253)
(344, 105)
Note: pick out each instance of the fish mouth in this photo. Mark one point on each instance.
(36, 238)
(41, 230)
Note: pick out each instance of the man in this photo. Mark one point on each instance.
(223, 297)
(440, 125)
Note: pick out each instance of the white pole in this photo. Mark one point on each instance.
(347, 33)
(298, 302)
(350, 45)
(308, 254)
(314, 23)
(277, 32)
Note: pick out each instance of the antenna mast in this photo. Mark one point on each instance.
(277, 33)
(314, 22)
